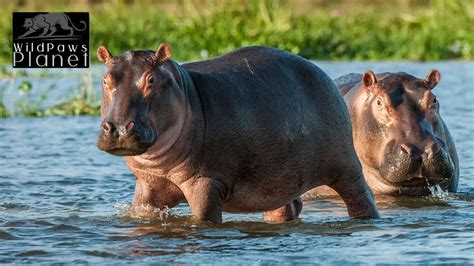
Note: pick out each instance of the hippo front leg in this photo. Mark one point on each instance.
(155, 192)
(356, 195)
(206, 197)
(283, 214)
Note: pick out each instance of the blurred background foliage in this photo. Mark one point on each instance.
(319, 29)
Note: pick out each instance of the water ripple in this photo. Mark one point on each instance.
(63, 201)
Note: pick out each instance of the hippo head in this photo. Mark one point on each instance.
(399, 134)
(136, 104)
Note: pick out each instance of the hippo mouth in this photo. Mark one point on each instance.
(126, 151)
(416, 186)
(130, 145)
(417, 182)
(123, 149)
(417, 177)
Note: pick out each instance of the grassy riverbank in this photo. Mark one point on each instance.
(334, 30)
(199, 29)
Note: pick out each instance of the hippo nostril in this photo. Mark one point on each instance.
(406, 149)
(129, 126)
(410, 151)
(432, 149)
(108, 127)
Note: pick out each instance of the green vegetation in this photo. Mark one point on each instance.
(199, 29)
(3, 109)
(335, 30)
(83, 100)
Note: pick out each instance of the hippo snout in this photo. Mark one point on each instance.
(415, 165)
(125, 139)
(114, 131)
(413, 153)
(432, 150)
(410, 151)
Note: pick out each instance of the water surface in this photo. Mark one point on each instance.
(61, 200)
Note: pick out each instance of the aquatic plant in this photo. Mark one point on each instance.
(11, 73)
(3, 109)
(83, 101)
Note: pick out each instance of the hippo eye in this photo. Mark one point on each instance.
(434, 103)
(379, 103)
(151, 80)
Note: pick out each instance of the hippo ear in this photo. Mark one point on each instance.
(433, 78)
(369, 79)
(163, 53)
(104, 55)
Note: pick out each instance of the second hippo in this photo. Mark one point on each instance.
(400, 138)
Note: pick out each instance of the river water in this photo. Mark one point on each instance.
(61, 200)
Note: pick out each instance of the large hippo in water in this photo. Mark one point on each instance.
(249, 131)
(399, 136)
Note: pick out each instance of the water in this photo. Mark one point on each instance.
(61, 200)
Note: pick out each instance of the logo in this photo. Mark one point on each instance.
(50, 40)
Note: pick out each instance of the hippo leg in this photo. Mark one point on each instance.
(155, 192)
(283, 214)
(356, 194)
(207, 199)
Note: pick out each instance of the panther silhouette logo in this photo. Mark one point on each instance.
(49, 22)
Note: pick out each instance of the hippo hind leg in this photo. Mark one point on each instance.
(356, 195)
(283, 214)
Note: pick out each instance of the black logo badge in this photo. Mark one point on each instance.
(50, 40)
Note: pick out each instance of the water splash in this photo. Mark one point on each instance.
(144, 212)
(438, 193)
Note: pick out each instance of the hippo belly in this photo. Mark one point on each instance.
(273, 131)
(286, 169)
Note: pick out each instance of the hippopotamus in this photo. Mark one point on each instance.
(399, 136)
(249, 131)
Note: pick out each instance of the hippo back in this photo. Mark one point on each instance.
(346, 82)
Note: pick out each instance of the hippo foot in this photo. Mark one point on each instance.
(284, 214)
